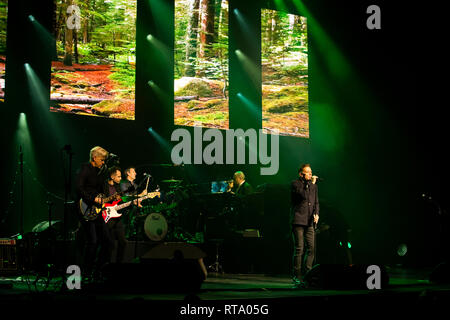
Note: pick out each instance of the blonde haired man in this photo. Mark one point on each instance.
(89, 185)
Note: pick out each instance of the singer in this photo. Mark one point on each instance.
(304, 218)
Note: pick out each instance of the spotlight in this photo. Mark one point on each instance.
(31, 18)
(236, 11)
(149, 37)
(150, 129)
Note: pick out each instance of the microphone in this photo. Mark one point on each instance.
(145, 174)
(318, 178)
(113, 156)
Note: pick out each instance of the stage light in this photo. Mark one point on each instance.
(349, 245)
(250, 67)
(162, 49)
(160, 93)
(31, 18)
(253, 107)
(162, 142)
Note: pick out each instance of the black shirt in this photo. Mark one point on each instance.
(89, 183)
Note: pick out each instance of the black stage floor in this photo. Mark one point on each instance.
(235, 296)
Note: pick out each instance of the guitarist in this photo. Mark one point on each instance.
(89, 185)
(116, 226)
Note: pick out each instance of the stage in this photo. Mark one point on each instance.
(236, 295)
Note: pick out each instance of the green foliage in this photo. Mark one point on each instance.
(108, 30)
(124, 75)
(214, 64)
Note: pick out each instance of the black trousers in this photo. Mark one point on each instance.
(117, 230)
(301, 233)
(98, 236)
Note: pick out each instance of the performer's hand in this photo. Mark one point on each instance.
(316, 218)
(314, 179)
(98, 200)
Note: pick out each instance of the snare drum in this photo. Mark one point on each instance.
(155, 226)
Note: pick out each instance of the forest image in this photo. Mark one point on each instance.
(284, 55)
(94, 73)
(201, 63)
(3, 22)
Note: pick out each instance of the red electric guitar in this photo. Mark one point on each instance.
(109, 210)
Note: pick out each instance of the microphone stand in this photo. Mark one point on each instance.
(136, 197)
(67, 191)
(21, 228)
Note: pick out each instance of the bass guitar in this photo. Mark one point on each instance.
(110, 209)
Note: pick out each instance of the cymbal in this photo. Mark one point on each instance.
(171, 181)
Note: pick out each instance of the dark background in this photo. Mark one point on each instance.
(377, 134)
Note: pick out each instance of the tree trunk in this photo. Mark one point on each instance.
(191, 39)
(207, 27)
(223, 18)
(75, 41)
(68, 44)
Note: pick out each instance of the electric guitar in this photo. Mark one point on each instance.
(110, 209)
(91, 212)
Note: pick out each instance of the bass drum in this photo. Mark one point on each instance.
(155, 226)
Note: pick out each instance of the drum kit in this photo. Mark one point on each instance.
(162, 219)
(179, 215)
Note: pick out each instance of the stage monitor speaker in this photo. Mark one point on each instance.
(166, 267)
(343, 277)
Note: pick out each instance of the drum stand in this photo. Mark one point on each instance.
(216, 267)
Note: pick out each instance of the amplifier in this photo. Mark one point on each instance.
(8, 256)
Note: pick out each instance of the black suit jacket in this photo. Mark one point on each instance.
(244, 189)
(304, 202)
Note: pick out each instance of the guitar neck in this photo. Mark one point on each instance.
(126, 204)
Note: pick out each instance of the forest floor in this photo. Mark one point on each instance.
(89, 90)
(200, 102)
(285, 101)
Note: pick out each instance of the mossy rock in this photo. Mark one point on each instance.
(195, 87)
(107, 107)
(194, 104)
(213, 103)
(285, 105)
(211, 117)
(296, 91)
